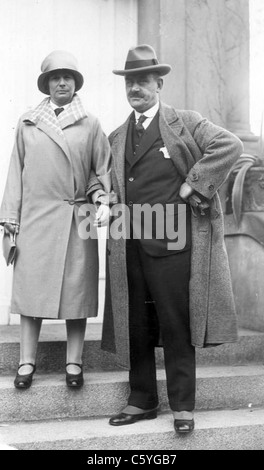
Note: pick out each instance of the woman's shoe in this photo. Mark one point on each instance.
(24, 381)
(183, 426)
(74, 380)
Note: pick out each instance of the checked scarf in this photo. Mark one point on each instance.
(43, 112)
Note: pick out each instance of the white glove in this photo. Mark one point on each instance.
(11, 228)
(102, 216)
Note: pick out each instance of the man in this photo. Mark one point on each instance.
(181, 292)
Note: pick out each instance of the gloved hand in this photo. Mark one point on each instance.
(11, 228)
(186, 191)
(197, 203)
(188, 195)
(102, 216)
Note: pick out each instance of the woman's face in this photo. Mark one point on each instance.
(61, 87)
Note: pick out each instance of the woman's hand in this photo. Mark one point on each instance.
(102, 216)
(11, 228)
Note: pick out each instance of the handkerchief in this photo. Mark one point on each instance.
(165, 152)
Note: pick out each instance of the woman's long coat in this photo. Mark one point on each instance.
(56, 270)
(203, 154)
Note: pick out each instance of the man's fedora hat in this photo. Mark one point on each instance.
(143, 59)
(59, 60)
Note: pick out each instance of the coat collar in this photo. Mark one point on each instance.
(118, 146)
(170, 117)
(43, 118)
(55, 137)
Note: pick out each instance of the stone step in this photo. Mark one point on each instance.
(241, 429)
(52, 347)
(105, 393)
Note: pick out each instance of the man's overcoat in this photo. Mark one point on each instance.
(203, 154)
(56, 270)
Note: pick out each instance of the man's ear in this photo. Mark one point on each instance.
(160, 84)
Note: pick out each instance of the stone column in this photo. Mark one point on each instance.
(205, 49)
(207, 44)
(237, 65)
(164, 29)
(237, 73)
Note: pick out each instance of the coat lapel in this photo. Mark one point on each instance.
(68, 121)
(118, 145)
(172, 132)
(149, 137)
(129, 153)
(55, 137)
(43, 119)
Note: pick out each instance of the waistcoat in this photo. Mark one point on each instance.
(152, 179)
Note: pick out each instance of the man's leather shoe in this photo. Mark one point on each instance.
(183, 426)
(124, 418)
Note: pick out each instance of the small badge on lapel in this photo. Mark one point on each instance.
(165, 152)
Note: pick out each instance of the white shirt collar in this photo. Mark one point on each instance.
(150, 113)
(54, 106)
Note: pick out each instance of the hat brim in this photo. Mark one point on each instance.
(43, 80)
(162, 69)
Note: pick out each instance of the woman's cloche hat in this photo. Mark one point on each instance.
(59, 60)
(143, 59)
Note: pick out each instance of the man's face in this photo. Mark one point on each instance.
(61, 87)
(143, 90)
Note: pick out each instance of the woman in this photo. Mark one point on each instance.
(56, 153)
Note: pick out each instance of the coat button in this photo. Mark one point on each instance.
(194, 176)
(71, 202)
(211, 187)
(131, 179)
(130, 203)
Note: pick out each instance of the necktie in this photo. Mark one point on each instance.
(57, 111)
(139, 127)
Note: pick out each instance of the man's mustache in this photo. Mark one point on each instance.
(135, 95)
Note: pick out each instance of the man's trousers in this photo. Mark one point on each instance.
(165, 282)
